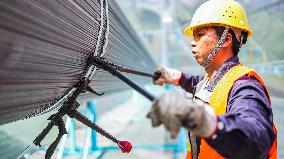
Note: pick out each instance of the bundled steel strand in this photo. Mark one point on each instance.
(124, 48)
(43, 50)
(44, 47)
(118, 40)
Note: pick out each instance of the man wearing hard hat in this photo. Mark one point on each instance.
(230, 114)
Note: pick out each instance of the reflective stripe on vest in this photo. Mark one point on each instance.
(218, 101)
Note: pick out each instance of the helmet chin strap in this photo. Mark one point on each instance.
(239, 36)
(215, 51)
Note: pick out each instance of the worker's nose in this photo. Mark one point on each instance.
(193, 43)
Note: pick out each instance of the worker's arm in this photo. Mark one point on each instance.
(188, 81)
(176, 77)
(246, 129)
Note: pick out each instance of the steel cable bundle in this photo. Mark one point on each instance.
(45, 46)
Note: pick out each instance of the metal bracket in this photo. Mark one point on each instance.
(70, 108)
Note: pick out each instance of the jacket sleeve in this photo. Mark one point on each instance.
(245, 131)
(188, 81)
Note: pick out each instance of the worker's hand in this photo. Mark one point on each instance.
(167, 76)
(174, 110)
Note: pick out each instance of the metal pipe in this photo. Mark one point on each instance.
(113, 70)
(133, 85)
(140, 73)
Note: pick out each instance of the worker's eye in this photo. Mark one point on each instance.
(200, 34)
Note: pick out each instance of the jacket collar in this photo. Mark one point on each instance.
(230, 63)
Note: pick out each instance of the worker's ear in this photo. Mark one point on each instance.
(228, 40)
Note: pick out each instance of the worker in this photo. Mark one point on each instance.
(230, 114)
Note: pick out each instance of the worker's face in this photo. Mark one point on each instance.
(203, 43)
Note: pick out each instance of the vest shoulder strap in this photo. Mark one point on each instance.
(219, 97)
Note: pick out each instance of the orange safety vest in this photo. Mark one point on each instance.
(218, 101)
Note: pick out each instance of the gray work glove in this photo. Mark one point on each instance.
(167, 76)
(174, 111)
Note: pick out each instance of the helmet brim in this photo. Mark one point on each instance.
(189, 30)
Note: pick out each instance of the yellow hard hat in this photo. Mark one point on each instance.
(227, 13)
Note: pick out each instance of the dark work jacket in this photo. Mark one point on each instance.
(247, 131)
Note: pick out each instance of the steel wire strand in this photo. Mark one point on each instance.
(45, 45)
